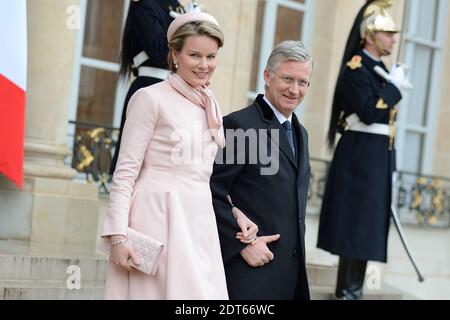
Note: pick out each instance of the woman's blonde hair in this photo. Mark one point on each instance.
(195, 28)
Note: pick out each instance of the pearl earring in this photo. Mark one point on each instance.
(176, 65)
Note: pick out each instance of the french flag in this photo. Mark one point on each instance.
(13, 76)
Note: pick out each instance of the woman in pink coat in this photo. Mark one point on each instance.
(161, 183)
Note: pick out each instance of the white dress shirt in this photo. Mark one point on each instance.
(281, 118)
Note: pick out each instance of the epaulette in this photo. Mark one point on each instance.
(355, 62)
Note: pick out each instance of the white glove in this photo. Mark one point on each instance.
(398, 76)
(192, 6)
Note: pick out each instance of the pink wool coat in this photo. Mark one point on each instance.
(161, 188)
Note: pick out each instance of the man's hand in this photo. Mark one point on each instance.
(258, 255)
(398, 76)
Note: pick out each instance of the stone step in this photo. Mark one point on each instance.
(43, 272)
(23, 267)
(47, 290)
(31, 277)
(384, 293)
(321, 275)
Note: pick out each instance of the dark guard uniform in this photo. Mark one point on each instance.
(355, 211)
(144, 45)
(355, 214)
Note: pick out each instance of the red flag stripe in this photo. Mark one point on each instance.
(12, 130)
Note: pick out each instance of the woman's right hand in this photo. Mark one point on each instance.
(249, 229)
(120, 253)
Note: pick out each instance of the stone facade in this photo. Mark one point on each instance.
(53, 208)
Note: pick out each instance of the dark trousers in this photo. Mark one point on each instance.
(350, 280)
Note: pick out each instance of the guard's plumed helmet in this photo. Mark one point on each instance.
(376, 18)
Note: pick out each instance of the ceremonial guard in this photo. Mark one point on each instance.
(355, 214)
(144, 48)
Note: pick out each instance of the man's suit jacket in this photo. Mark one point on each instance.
(276, 203)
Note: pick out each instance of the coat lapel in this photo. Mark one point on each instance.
(302, 148)
(273, 124)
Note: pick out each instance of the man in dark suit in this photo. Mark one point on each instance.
(265, 170)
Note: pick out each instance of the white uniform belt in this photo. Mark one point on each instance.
(355, 124)
(140, 58)
(153, 72)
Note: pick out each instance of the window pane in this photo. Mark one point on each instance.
(96, 96)
(417, 104)
(426, 21)
(413, 152)
(257, 45)
(289, 24)
(102, 35)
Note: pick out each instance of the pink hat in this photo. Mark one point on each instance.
(186, 18)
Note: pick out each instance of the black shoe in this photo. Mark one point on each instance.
(349, 295)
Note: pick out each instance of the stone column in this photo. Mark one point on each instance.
(51, 208)
(51, 48)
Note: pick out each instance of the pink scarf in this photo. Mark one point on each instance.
(203, 98)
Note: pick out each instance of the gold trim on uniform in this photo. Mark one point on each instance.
(392, 127)
(355, 63)
(381, 104)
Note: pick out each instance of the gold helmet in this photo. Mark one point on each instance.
(376, 18)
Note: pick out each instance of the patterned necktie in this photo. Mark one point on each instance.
(290, 134)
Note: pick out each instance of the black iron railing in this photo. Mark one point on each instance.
(92, 152)
(423, 199)
(420, 199)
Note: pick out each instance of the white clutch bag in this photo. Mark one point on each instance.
(147, 249)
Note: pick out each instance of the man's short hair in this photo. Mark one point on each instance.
(288, 50)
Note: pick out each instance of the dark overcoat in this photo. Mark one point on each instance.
(355, 214)
(275, 201)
